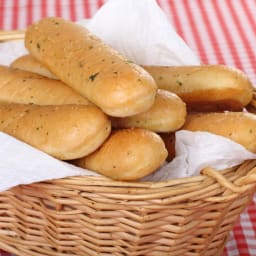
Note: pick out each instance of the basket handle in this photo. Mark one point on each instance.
(6, 35)
(239, 186)
(250, 178)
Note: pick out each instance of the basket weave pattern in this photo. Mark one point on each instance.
(96, 216)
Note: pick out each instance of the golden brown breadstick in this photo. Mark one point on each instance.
(169, 141)
(206, 87)
(237, 126)
(18, 86)
(29, 63)
(92, 68)
(128, 154)
(65, 132)
(167, 114)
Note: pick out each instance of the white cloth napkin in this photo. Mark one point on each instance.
(197, 150)
(141, 31)
(23, 164)
(9, 51)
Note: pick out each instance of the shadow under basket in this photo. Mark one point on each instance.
(97, 216)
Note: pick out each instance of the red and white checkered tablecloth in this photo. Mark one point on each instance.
(219, 31)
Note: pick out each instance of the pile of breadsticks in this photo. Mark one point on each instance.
(79, 100)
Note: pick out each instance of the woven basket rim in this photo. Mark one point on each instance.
(9, 35)
(172, 189)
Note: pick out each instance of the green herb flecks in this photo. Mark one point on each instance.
(93, 76)
(179, 82)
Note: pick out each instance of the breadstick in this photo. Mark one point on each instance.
(206, 87)
(28, 63)
(169, 141)
(95, 70)
(18, 86)
(128, 154)
(237, 126)
(167, 114)
(65, 132)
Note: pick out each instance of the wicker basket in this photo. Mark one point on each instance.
(97, 216)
